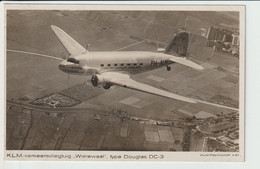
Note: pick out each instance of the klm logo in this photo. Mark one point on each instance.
(11, 155)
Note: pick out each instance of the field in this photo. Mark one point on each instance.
(30, 76)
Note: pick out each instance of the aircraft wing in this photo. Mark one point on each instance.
(72, 46)
(124, 80)
(186, 62)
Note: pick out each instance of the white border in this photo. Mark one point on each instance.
(252, 109)
(168, 156)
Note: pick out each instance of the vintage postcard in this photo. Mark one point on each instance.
(124, 82)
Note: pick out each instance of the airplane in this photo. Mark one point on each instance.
(116, 67)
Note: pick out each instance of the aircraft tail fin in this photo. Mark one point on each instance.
(179, 44)
(72, 46)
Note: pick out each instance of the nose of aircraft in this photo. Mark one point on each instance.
(64, 64)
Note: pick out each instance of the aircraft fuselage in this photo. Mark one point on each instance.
(131, 62)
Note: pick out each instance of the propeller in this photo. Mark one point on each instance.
(35, 54)
(64, 56)
(94, 80)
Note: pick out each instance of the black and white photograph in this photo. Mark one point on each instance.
(125, 80)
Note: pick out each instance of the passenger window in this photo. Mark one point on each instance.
(128, 64)
(134, 64)
(102, 65)
(108, 64)
(141, 64)
(115, 64)
(122, 64)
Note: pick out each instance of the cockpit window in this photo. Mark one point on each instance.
(73, 60)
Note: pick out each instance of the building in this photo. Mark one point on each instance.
(216, 33)
(223, 40)
(220, 127)
(235, 39)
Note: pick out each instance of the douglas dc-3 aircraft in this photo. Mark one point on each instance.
(115, 67)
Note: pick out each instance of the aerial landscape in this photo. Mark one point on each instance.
(47, 109)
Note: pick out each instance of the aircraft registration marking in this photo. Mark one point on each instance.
(159, 63)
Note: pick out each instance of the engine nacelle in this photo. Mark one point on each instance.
(97, 80)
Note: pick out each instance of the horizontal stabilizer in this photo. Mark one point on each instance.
(72, 46)
(186, 62)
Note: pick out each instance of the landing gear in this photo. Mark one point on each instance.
(107, 85)
(168, 68)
